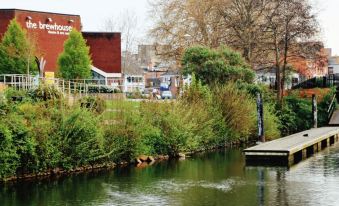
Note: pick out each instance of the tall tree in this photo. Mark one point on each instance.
(244, 23)
(17, 51)
(183, 23)
(266, 32)
(212, 66)
(75, 61)
(289, 23)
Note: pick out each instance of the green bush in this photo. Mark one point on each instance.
(238, 110)
(216, 66)
(95, 104)
(295, 115)
(13, 95)
(271, 123)
(81, 139)
(173, 130)
(24, 143)
(43, 124)
(9, 159)
(45, 92)
(122, 137)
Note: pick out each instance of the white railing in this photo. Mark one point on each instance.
(81, 87)
(25, 82)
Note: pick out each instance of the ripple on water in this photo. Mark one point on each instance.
(166, 186)
(155, 194)
(133, 197)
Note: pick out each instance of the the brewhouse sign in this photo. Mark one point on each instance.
(50, 28)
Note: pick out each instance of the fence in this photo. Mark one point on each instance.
(320, 82)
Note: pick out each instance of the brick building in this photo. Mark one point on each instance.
(51, 30)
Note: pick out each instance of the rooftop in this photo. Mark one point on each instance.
(12, 9)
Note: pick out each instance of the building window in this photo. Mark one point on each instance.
(295, 81)
(330, 70)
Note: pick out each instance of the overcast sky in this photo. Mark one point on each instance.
(95, 12)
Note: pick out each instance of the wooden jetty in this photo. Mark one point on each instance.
(292, 149)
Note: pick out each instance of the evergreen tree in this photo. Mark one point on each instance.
(75, 61)
(220, 65)
(17, 51)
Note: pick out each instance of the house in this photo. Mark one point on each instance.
(267, 76)
(333, 63)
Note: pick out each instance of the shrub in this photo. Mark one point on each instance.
(45, 92)
(8, 156)
(174, 131)
(24, 143)
(238, 112)
(296, 115)
(13, 95)
(122, 137)
(81, 139)
(271, 123)
(213, 66)
(95, 104)
(43, 124)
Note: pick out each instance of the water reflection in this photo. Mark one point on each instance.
(219, 178)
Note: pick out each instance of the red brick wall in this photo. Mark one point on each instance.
(50, 42)
(105, 49)
(5, 17)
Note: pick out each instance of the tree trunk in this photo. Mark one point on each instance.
(286, 43)
(278, 72)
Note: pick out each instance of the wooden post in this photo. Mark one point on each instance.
(260, 111)
(314, 111)
(69, 88)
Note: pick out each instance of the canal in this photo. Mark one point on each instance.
(217, 178)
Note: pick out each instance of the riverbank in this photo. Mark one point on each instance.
(42, 133)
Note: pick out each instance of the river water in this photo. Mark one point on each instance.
(218, 178)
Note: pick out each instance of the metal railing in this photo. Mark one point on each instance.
(332, 107)
(81, 87)
(319, 82)
(28, 82)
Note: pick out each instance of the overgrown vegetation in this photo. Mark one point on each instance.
(40, 131)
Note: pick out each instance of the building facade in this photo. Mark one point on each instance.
(51, 30)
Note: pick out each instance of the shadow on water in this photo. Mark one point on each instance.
(214, 178)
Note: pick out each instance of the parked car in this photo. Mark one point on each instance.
(164, 86)
(166, 95)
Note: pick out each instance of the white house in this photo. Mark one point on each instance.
(133, 83)
(268, 77)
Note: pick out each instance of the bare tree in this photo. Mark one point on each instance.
(289, 22)
(244, 23)
(127, 24)
(267, 32)
(181, 23)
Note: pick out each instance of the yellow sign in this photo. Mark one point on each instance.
(49, 76)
